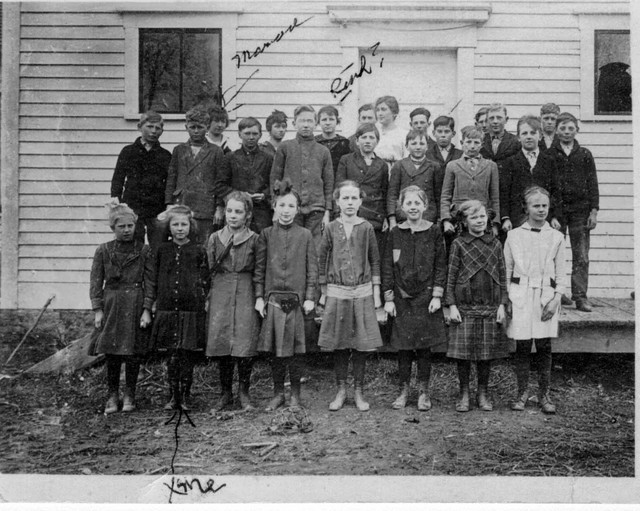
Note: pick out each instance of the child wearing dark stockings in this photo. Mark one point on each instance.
(181, 283)
(476, 294)
(120, 298)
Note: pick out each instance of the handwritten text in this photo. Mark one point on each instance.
(342, 85)
(246, 55)
(180, 486)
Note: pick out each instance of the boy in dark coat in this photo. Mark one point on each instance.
(140, 177)
(328, 120)
(549, 116)
(498, 144)
(580, 202)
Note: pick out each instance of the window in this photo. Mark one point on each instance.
(612, 76)
(177, 54)
(605, 66)
(179, 68)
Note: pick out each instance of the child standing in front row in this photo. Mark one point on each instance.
(349, 276)
(120, 298)
(233, 323)
(285, 287)
(180, 284)
(476, 294)
(534, 255)
(414, 270)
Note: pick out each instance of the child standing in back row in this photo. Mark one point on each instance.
(414, 270)
(476, 294)
(285, 287)
(350, 282)
(328, 120)
(181, 283)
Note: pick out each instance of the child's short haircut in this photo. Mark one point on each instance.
(365, 107)
(413, 134)
(118, 211)
(217, 113)
(367, 127)
(282, 188)
(549, 108)
(420, 111)
(150, 116)
(445, 120)
(531, 120)
(199, 116)
(468, 208)
(344, 184)
(566, 117)
(530, 192)
(276, 117)
(412, 189)
(472, 132)
(391, 102)
(175, 210)
(303, 108)
(482, 111)
(249, 122)
(245, 199)
(329, 110)
(494, 107)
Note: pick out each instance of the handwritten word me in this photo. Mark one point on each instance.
(183, 487)
(248, 55)
(341, 85)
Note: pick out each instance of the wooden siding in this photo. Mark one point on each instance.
(72, 126)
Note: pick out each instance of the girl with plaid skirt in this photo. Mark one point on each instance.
(476, 294)
(349, 276)
(285, 288)
(414, 269)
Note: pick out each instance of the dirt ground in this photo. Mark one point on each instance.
(55, 425)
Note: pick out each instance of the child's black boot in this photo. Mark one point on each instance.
(113, 383)
(244, 377)
(129, 402)
(278, 370)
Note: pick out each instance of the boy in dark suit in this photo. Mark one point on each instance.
(549, 115)
(481, 119)
(580, 202)
(366, 115)
(498, 144)
(192, 173)
(526, 168)
(419, 121)
(441, 154)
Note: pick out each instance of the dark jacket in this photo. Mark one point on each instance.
(373, 181)
(509, 145)
(190, 181)
(246, 172)
(403, 174)
(338, 147)
(578, 177)
(516, 176)
(140, 177)
(436, 178)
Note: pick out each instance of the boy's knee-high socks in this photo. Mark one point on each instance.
(359, 359)
(278, 372)
(464, 372)
(225, 366)
(424, 366)
(522, 364)
(484, 370)
(114, 362)
(405, 357)
(544, 360)
(341, 364)
(245, 366)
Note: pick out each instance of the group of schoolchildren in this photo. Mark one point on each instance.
(246, 245)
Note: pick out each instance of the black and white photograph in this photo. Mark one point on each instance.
(286, 251)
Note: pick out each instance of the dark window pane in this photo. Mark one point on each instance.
(613, 72)
(178, 68)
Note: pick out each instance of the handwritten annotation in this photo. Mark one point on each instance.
(342, 85)
(247, 55)
(184, 486)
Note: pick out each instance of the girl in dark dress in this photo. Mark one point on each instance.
(181, 283)
(285, 288)
(121, 272)
(477, 295)
(414, 270)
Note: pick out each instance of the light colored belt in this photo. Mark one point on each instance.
(348, 292)
(534, 283)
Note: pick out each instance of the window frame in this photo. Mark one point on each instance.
(226, 22)
(589, 23)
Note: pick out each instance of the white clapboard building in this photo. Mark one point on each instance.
(75, 77)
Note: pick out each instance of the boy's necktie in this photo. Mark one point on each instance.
(495, 143)
(531, 156)
(473, 163)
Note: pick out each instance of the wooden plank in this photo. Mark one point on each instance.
(611, 254)
(525, 73)
(68, 295)
(64, 212)
(59, 252)
(69, 238)
(546, 62)
(71, 19)
(595, 340)
(55, 264)
(65, 199)
(42, 161)
(526, 86)
(529, 47)
(72, 84)
(74, 111)
(321, 34)
(121, 137)
(615, 189)
(605, 151)
(290, 46)
(76, 225)
(66, 187)
(611, 241)
(277, 59)
(80, 59)
(72, 45)
(625, 178)
(286, 72)
(70, 148)
(67, 32)
(549, 6)
(82, 71)
(28, 125)
(528, 34)
(565, 20)
(93, 97)
(529, 98)
(53, 276)
(277, 21)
